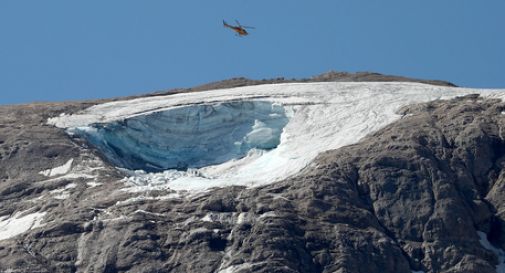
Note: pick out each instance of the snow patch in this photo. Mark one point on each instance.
(93, 184)
(198, 230)
(85, 169)
(19, 223)
(148, 212)
(116, 219)
(62, 194)
(223, 217)
(236, 268)
(148, 198)
(500, 267)
(269, 214)
(63, 169)
(243, 217)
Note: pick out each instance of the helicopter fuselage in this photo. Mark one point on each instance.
(238, 29)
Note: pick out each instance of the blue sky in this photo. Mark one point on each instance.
(69, 50)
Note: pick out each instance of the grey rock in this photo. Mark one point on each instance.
(411, 196)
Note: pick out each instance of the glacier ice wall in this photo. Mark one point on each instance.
(191, 136)
(322, 116)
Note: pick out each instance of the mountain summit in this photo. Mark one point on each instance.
(338, 173)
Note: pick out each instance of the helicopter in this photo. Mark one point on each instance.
(239, 29)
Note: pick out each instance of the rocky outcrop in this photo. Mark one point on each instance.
(410, 197)
(331, 76)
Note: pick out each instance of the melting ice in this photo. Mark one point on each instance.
(250, 135)
(193, 136)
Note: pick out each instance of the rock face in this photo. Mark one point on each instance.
(410, 197)
(331, 76)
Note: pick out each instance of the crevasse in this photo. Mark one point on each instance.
(191, 136)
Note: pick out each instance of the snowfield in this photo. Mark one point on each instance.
(193, 136)
(65, 168)
(19, 223)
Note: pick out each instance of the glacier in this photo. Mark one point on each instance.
(249, 136)
(192, 136)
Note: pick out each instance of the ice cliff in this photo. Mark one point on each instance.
(192, 136)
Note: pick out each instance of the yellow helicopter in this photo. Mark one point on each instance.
(239, 29)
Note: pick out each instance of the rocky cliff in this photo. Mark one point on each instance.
(423, 194)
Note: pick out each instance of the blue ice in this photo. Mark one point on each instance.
(192, 136)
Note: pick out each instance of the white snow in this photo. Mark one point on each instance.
(63, 193)
(500, 267)
(87, 169)
(269, 214)
(63, 169)
(62, 196)
(208, 218)
(223, 217)
(243, 217)
(19, 223)
(148, 198)
(236, 268)
(322, 116)
(93, 184)
(141, 211)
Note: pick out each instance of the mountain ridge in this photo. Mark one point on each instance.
(416, 195)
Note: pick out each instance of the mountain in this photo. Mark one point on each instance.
(339, 173)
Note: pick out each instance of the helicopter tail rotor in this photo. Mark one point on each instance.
(238, 23)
